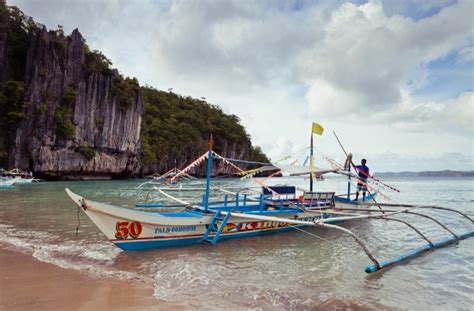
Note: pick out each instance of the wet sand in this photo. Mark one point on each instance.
(28, 284)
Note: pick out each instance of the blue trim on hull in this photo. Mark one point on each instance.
(164, 243)
(148, 205)
(368, 198)
(161, 243)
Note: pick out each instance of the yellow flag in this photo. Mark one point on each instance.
(317, 129)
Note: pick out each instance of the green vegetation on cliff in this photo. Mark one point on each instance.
(87, 151)
(12, 94)
(96, 61)
(62, 120)
(14, 30)
(123, 90)
(174, 126)
(16, 27)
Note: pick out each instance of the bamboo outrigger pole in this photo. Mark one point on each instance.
(311, 163)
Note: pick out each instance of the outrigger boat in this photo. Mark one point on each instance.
(277, 210)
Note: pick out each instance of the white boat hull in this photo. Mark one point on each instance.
(137, 230)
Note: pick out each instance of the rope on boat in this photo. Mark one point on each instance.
(311, 234)
(78, 222)
(190, 166)
(261, 183)
(247, 162)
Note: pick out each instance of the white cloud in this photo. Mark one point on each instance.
(453, 115)
(353, 68)
(465, 55)
(421, 7)
(366, 60)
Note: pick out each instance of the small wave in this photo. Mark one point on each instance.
(69, 254)
(94, 269)
(101, 253)
(347, 304)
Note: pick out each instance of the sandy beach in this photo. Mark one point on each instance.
(28, 284)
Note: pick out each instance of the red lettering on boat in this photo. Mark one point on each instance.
(123, 229)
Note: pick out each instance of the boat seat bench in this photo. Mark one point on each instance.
(319, 199)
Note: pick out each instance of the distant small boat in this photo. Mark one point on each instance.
(18, 176)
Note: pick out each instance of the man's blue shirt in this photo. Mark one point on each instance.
(363, 171)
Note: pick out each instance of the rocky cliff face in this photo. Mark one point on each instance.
(3, 55)
(103, 139)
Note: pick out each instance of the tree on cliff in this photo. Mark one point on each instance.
(14, 42)
(176, 127)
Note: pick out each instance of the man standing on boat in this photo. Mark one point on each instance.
(363, 172)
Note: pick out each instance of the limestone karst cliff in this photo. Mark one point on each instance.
(60, 88)
(65, 113)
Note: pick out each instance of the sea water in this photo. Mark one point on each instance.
(314, 269)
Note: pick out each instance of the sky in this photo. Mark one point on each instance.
(393, 79)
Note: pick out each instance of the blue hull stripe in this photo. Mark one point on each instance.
(166, 242)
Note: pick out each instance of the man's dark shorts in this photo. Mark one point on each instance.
(362, 186)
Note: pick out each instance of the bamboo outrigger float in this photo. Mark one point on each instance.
(276, 210)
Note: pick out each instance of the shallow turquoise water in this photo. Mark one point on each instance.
(291, 271)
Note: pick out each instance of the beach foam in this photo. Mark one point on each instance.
(95, 259)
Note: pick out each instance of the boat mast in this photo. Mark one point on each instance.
(315, 129)
(311, 163)
(208, 173)
(349, 184)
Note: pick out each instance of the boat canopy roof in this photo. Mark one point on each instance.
(293, 170)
